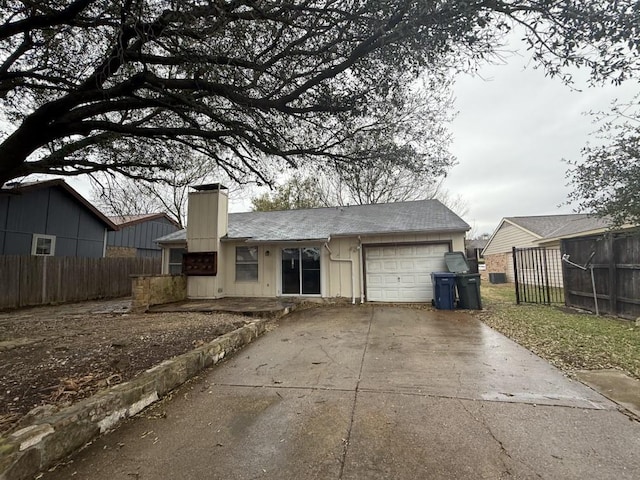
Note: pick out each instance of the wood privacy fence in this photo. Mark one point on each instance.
(616, 270)
(35, 280)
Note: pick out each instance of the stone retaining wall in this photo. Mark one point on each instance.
(151, 290)
(48, 435)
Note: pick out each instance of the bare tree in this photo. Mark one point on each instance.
(120, 195)
(116, 85)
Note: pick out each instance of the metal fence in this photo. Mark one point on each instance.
(538, 275)
(615, 259)
(41, 280)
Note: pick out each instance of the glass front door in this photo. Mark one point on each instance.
(301, 271)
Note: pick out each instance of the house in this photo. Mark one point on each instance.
(535, 231)
(382, 252)
(135, 235)
(50, 218)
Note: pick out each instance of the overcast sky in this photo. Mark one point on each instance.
(512, 131)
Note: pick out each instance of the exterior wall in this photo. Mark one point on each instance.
(336, 276)
(500, 263)
(507, 237)
(267, 284)
(141, 236)
(49, 211)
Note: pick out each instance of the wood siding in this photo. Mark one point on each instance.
(49, 211)
(142, 236)
(30, 280)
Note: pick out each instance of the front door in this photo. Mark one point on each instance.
(301, 271)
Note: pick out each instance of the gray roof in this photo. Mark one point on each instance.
(320, 223)
(554, 226)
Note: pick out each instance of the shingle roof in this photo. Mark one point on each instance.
(320, 223)
(553, 226)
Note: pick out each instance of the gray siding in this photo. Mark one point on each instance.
(141, 236)
(49, 211)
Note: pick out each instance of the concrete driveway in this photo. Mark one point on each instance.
(373, 393)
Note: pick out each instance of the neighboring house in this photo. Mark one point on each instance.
(474, 247)
(383, 252)
(50, 218)
(535, 231)
(136, 234)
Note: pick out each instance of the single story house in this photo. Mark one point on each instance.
(50, 218)
(383, 252)
(536, 231)
(136, 234)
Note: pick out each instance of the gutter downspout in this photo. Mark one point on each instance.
(350, 260)
(361, 270)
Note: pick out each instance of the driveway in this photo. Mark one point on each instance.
(373, 393)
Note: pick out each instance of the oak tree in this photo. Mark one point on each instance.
(256, 85)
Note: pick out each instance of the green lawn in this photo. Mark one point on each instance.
(567, 339)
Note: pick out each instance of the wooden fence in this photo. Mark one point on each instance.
(34, 280)
(616, 270)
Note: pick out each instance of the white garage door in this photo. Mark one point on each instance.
(403, 273)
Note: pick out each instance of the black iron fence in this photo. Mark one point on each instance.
(538, 275)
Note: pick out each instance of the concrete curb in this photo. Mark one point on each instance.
(51, 437)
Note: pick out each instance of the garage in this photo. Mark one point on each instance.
(402, 273)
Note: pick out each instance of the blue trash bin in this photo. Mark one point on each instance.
(444, 290)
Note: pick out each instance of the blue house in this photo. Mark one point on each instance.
(50, 218)
(135, 235)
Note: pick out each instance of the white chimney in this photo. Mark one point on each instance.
(207, 222)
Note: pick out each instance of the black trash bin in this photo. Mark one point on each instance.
(467, 284)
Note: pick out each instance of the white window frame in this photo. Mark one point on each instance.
(246, 262)
(170, 264)
(34, 244)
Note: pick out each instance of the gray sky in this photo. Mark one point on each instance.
(513, 129)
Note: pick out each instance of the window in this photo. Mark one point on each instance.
(246, 264)
(43, 245)
(175, 260)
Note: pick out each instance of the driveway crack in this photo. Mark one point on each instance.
(346, 441)
(503, 450)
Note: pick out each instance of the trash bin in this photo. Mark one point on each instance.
(444, 290)
(467, 284)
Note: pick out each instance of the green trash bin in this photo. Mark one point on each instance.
(468, 285)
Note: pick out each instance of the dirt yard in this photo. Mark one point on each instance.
(60, 354)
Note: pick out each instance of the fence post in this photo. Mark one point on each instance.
(546, 276)
(613, 275)
(515, 274)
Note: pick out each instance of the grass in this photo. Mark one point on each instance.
(569, 340)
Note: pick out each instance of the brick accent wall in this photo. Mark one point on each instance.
(151, 290)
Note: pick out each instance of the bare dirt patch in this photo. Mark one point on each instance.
(59, 355)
